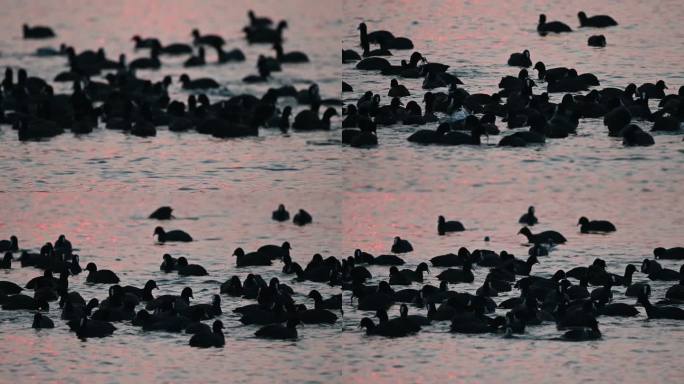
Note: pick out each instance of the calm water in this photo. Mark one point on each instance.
(99, 188)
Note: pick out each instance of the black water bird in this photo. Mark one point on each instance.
(444, 226)
(100, 276)
(597, 21)
(175, 235)
(162, 213)
(213, 338)
(544, 27)
(595, 226)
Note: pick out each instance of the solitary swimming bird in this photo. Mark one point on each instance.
(553, 26)
(302, 218)
(37, 32)
(444, 226)
(162, 213)
(281, 214)
(542, 237)
(596, 41)
(600, 226)
(597, 21)
(174, 235)
(528, 218)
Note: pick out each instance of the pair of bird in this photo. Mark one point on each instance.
(301, 218)
(597, 21)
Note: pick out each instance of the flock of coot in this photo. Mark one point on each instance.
(137, 106)
(516, 104)
(574, 299)
(574, 307)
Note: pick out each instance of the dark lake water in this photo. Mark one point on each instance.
(98, 189)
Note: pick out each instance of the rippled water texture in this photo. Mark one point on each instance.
(99, 188)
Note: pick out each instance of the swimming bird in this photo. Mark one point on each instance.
(289, 57)
(542, 237)
(583, 333)
(281, 214)
(544, 27)
(634, 136)
(275, 252)
(528, 218)
(162, 213)
(333, 302)
(676, 292)
(11, 245)
(175, 49)
(278, 331)
(41, 321)
(234, 55)
(169, 263)
(373, 64)
(37, 32)
(145, 293)
(215, 338)
(185, 269)
(444, 226)
(596, 41)
(196, 61)
(387, 329)
(151, 62)
(20, 301)
(201, 83)
(349, 55)
(101, 276)
(454, 275)
(397, 90)
(429, 136)
(595, 226)
(258, 22)
(250, 259)
(94, 328)
(174, 235)
(265, 34)
(149, 42)
(214, 41)
(675, 253)
(9, 288)
(653, 91)
(519, 59)
(400, 245)
(315, 316)
(658, 312)
(6, 262)
(167, 301)
(597, 21)
(302, 218)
